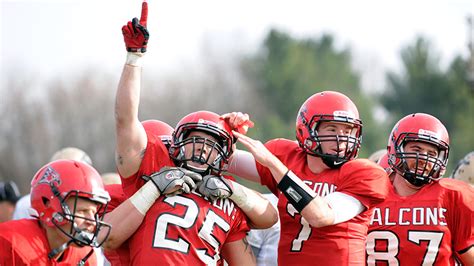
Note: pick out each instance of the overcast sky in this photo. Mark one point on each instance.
(59, 37)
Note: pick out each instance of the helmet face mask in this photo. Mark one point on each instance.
(60, 190)
(335, 109)
(346, 144)
(419, 168)
(202, 142)
(201, 153)
(71, 224)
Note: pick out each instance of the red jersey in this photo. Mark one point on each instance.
(24, 242)
(181, 230)
(426, 228)
(121, 255)
(339, 244)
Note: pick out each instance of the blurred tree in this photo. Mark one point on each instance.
(286, 71)
(38, 118)
(424, 87)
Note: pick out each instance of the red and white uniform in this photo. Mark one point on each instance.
(340, 244)
(181, 230)
(426, 228)
(24, 242)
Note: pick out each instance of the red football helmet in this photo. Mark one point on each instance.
(424, 128)
(328, 106)
(160, 129)
(60, 180)
(210, 123)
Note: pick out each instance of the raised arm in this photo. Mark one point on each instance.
(131, 137)
(315, 209)
(318, 211)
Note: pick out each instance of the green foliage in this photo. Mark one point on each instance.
(287, 71)
(424, 87)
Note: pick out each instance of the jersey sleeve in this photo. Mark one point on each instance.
(154, 156)
(239, 228)
(462, 222)
(6, 252)
(266, 177)
(365, 181)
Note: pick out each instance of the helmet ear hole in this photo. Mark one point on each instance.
(46, 202)
(300, 131)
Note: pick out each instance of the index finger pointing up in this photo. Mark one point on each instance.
(144, 15)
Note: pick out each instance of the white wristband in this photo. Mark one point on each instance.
(144, 198)
(134, 59)
(243, 197)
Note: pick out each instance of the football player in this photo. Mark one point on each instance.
(325, 195)
(182, 228)
(67, 198)
(67, 153)
(153, 128)
(426, 219)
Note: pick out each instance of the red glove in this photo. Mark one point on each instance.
(135, 33)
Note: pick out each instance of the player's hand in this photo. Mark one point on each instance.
(174, 180)
(215, 187)
(238, 121)
(135, 33)
(258, 150)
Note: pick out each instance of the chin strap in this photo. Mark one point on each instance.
(414, 180)
(332, 162)
(57, 251)
(83, 261)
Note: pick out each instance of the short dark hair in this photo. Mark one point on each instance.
(9, 192)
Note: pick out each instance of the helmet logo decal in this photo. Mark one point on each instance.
(302, 115)
(202, 121)
(428, 132)
(50, 175)
(343, 113)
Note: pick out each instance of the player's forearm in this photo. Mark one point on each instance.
(131, 138)
(128, 216)
(258, 209)
(128, 96)
(125, 220)
(277, 168)
(312, 207)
